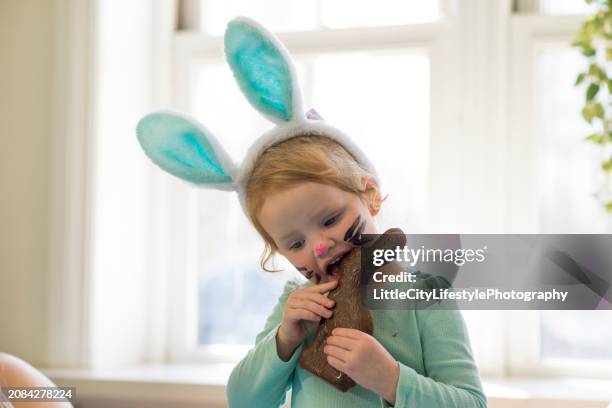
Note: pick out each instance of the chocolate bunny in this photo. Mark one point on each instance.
(349, 312)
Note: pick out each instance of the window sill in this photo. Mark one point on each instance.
(206, 384)
(163, 383)
(550, 389)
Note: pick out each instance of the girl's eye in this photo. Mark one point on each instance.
(294, 245)
(331, 221)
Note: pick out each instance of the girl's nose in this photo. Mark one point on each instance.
(322, 248)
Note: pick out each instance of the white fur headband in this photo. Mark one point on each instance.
(182, 146)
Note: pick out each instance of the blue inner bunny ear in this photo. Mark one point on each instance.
(261, 70)
(182, 148)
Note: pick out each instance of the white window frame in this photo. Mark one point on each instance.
(78, 283)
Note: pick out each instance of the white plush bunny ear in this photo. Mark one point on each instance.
(264, 70)
(185, 148)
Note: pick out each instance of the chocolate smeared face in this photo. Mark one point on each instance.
(315, 226)
(349, 311)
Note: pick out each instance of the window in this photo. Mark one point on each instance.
(340, 79)
(226, 274)
(567, 174)
(569, 168)
(554, 7)
(296, 15)
(577, 334)
(467, 109)
(564, 7)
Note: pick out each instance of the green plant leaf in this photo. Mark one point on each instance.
(599, 110)
(595, 138)
(591, 92)
(594, 40)
(589, 52)
(597, 73)
(601, 74)
(588, 112)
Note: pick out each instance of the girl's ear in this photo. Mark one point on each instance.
(374, 197)
(375, 203)
(263, 69)
(185, 148)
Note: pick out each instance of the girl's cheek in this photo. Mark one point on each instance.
(299, 264)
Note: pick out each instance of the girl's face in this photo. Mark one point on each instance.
(313, 224)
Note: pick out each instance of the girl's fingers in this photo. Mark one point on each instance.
(337, 352)
(350, 333)
(342, 342)
(311, 306)
(336, 363)
(316, 297)
(303, 314)
(322, 288)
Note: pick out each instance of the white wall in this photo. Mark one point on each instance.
(26, 51)
(75, 77)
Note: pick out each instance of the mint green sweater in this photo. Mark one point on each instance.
(432, 347)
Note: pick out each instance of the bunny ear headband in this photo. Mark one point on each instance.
(265, 74)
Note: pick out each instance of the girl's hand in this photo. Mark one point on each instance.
(303, 311)
(365, 360)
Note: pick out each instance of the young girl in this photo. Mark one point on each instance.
(311, 192)
(310, 201)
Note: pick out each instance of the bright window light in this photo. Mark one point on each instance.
(298, 15)
(565, 7)
(569, 174)
(381, 99)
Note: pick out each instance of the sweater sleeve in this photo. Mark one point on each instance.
(452, 376)
(261, 378)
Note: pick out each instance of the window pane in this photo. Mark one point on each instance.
(569, 168)
(563, 7)
(275, 15)
(382, 12)
(380, 99)
(235, 296)
(569, 174)
(577, 334)
(298, 15)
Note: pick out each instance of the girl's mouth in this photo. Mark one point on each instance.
(333, 268)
